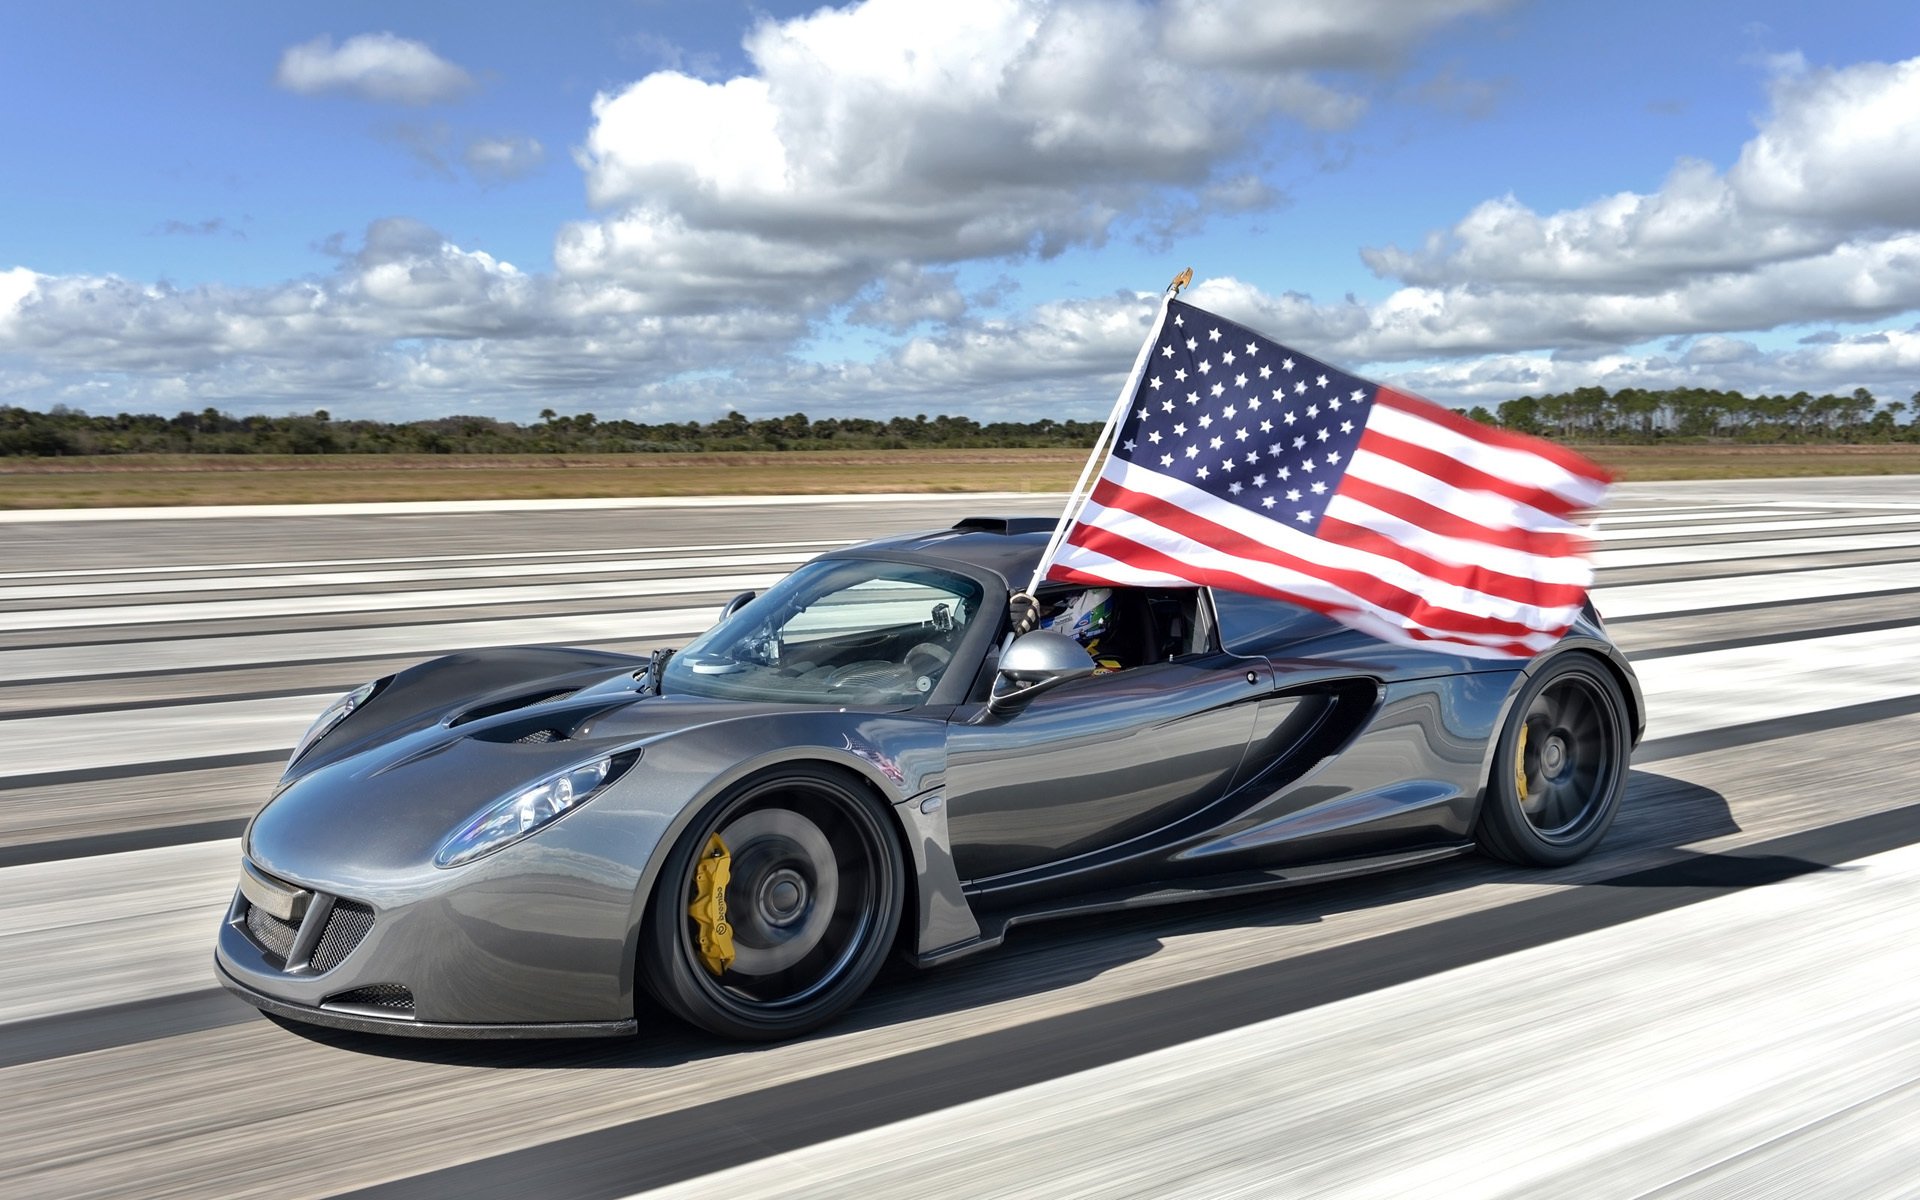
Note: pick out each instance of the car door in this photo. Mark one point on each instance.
(1063, 783)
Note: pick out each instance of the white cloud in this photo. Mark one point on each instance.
(372, 66)
(893, 135)
(504, 157)
(1263, 34)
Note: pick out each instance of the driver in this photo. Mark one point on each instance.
(1084, 616)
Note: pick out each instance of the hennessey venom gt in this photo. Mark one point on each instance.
(519, 842)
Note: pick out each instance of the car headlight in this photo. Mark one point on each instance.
(513, 817)
(335, 713)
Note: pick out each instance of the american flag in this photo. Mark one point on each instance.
(1244, 465)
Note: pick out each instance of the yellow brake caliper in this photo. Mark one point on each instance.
(709, 907)
(1520, 764)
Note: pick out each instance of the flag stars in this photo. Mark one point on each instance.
(1239, 381)
(1226, 464)
(1166, 406)
(1228, 412)
(1141, 412)
(1253, 456)
(1304, 517)
(1215, 443)
(1283, 474)
(1286, 364)
(1217, 389)
(1193, 397)
(1201, 473)
(1129, 445)
(1193, 452)
(1180, 374)
(1322, 434)
(1346, 427)
(1313, 410)
(1166, 460)
(1192, 345)
(1300, 389)
(1179, 429)
(1266, 372)
(1306, 464)
(1293, 495)
(1275, 450)
(1234, 488)
(1321, 382)
(1154, 383)
(1333, 456)
(1279, 395)
(1266, 502)
(1166, 351)
(1213, 335)
(1358, 395)
(1239, 435)
(1288, 416)
(1266, 427)
(1206, 420)
(1178, 319)
(1319, 488)
(1154, 437)
(1260, 480)
(1253, 404)
(1298, 443)
(1205, 367)
(1333, 405)
(1226, 356)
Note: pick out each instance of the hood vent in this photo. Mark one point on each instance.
(508, 705)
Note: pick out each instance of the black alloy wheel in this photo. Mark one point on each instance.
(813, 903)
(1560, 768)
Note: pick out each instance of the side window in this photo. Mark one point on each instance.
(1249, 623)
(1123, 628)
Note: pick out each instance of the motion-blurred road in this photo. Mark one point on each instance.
(1725, 1000)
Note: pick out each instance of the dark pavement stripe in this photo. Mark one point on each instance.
(119, 842)
(1769, 639)
(677, 1146)
(1729, 736)
(120, 1024)
(210, 762)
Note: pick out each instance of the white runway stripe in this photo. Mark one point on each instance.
(1659, 599)
(817, 546)
(1724, 529)
(1609, 1064)
(171, 733)
(1715, 552)
(371, 602)
(361, 579)
(419, 641)
(1692, 692)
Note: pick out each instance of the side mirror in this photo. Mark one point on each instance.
(1034, 663)
(735, 605)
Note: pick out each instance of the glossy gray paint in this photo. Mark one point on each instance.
(1316, 752)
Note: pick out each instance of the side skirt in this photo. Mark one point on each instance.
(994, 926)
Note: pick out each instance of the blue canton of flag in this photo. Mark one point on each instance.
(1245, 419)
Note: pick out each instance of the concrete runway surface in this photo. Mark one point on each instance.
(1723, 1001)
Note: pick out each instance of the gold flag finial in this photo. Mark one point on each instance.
(1181, 280)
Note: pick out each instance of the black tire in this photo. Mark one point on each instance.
(815, 900)
(1574, 763)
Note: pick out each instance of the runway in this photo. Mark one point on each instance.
(1724, 1000)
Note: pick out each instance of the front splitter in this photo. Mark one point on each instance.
(400, 1027)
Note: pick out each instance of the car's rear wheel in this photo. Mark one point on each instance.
(812, 894)
(1560, 768)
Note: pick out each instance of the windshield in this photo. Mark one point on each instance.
(838, 631)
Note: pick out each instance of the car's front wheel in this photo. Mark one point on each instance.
(1560, 768)
(776, 908)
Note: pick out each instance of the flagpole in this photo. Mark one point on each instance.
(1077, 499)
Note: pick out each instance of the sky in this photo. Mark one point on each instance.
(664, 211)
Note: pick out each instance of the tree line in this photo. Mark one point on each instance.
(1589, 414)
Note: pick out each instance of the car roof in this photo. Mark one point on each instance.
(1008, 546)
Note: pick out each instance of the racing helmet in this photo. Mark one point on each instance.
(1083, 616)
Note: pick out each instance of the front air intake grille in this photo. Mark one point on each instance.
(270, 932)
(346, 925)
(388, 997)
(540, 737)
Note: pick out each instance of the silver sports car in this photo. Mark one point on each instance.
(863, 761)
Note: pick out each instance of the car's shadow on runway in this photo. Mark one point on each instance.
(1660, 815)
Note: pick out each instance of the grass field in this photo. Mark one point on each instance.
(145, 480)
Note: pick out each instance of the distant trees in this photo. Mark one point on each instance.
(1589, 414)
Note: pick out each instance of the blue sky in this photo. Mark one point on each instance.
(666, 210)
